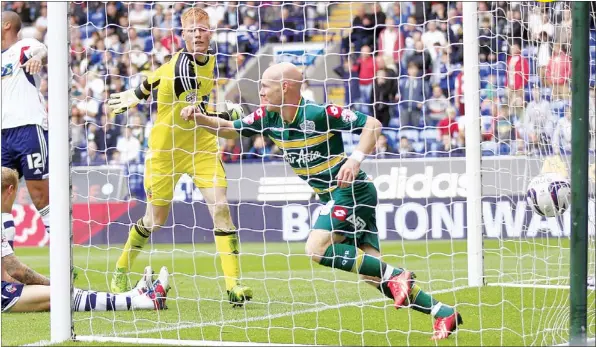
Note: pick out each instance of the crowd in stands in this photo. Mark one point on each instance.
(402, 62)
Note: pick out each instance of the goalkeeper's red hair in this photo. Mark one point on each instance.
(10, 184)
(196, 30)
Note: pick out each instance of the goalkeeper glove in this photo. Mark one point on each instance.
(234, 110)
(120, 102)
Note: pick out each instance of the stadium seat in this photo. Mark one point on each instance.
(418, 147)
(411, 134)
(429, 133)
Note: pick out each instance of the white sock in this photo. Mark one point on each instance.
(45, 217)
(87, 300)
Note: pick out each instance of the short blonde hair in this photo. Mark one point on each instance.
(9, 178)
(197, 14)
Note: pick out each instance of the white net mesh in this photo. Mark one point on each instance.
(403, 64)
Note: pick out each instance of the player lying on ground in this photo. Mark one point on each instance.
(177, 147)
(24, 116)
(24, 290)
(345, 234)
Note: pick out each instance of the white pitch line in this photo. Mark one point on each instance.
(271, 316)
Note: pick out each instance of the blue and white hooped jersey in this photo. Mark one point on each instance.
(8, 232)
(22, 102)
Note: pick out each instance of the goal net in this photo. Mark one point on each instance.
(401, 62)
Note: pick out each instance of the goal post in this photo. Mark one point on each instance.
(59, 151)
(580, 137)
(473, 152)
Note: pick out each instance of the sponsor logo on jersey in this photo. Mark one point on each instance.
(253, 117)
(10, 289)
(308, 126)
(191, 97)
(348, 116)
(340, 213)
(334, 111)
(301, 158)
(149, 193)
(7, 70)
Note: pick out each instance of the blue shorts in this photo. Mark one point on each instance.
(11, 293)
(25, 149)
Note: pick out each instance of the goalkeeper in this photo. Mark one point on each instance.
(345, 234)
(177, 147)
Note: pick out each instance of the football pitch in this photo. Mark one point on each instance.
(296, 301)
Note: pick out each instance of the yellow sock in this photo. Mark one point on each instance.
(226, 244)
(137, 238)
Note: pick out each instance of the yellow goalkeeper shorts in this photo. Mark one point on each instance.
(162, 174)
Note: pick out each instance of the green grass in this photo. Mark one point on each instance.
(298, 302)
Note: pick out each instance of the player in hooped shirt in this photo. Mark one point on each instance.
(24, 116)
(24, 290)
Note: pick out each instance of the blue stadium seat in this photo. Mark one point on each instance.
(490, 147)
(418, 147)
(429, 134)
(411, 134)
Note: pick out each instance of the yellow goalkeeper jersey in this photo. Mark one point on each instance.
(181, 82)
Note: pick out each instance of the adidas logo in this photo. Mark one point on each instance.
(37, 172)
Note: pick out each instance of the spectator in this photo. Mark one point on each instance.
(448, 126)
(216, 11)
(436, 106)
(362, 33)
(139, 17)
(504, 131)
(511, 26)
(259, 151)
(158, 16)
(486, 41)
(517, 76)
(247, 35)
(365, 67)
(421, 57)
(231, 151)
(386, 64)
(543, 57)
(396, 14)
(432, 36)
(539, 123)
(378, 19)
(562, 135)
(391, 41)
(437, 62)
(558, 73)
(405, 149)
(563, 30)
(110, 136)
(383, 96)
(92, 157)
(129, 147)
(412, 92)
(232, 17)
(383, 149)
(288, 27)
(41, 23)
(489, 92)
(133, 40)
(544, 27)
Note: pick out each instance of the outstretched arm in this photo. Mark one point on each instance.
(368, 140)
(21, 272)
(215, 125)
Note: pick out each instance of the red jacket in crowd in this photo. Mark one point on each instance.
(518, 70)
